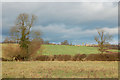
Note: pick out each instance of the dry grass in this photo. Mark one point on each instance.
(60, 69)
(11, 51)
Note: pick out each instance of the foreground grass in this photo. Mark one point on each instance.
(60, 69)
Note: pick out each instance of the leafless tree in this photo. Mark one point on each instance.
(22, 34)
(65, 42)
(103, 40)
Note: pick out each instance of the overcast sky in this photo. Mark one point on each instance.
(59, 21)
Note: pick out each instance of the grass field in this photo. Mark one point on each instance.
(66, 49)
(60, 69)
(70, 50)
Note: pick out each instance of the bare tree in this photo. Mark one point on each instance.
(22, 33)
(65, 42)
(103, 40)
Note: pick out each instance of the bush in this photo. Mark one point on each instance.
(102, 57)
(43, 58)
(79, 57)
(62, 57)
(51, 57)
(3, 59)
(34, 46)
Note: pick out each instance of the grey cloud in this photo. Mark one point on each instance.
(60, 21)
(62, 32)
(64, 12)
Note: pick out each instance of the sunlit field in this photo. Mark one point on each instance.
(67, 49)
(70, 50)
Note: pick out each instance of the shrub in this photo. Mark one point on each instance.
(102, 57)
(62, 57)
(51, 57)
(33, 49)
(43, 58)
(79, 57)
(3, 59)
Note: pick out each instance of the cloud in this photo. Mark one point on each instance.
(67, 13)
(111, 31)
(62, 32)
(60, 21)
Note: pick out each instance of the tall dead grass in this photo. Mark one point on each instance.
(9, 51)
(14, 52)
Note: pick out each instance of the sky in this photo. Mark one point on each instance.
(59, 21)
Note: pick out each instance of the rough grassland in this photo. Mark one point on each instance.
(62, 69)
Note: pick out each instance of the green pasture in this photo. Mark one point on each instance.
(67, 49)
(70, 50)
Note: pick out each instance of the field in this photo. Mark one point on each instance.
(70, 50)
(60, 69)
(66, 49)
